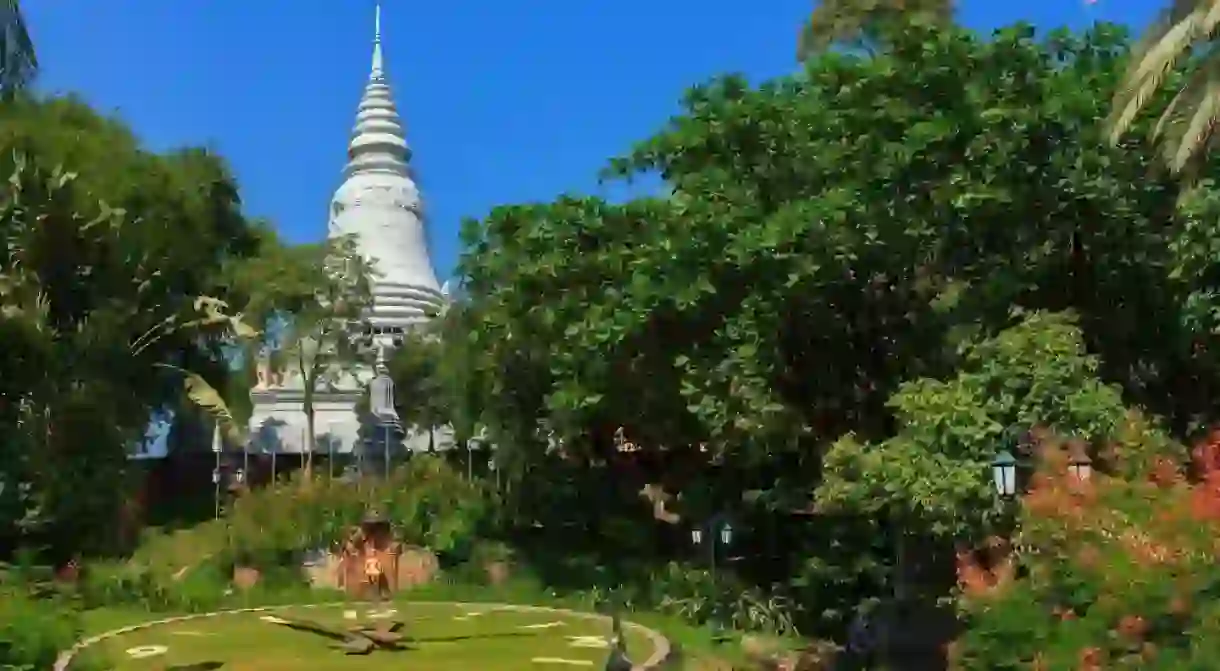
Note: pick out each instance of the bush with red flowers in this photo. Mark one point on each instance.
(1114, 571)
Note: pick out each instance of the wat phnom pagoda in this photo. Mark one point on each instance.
(379, 202)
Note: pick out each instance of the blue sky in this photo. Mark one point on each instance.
(504, 101)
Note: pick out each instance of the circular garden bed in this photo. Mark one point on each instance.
(353, 637)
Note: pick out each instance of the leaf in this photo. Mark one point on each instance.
(207, 398)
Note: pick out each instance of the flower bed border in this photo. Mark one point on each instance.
(662, 650)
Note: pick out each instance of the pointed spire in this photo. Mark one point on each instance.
(378, 71)
(379, 143)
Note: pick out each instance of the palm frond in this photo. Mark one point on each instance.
(1169, 41)
(18, 62)
(1188, 125)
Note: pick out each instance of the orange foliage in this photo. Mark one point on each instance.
(977, 579)
(1133, 627)
(1205, 495)
(1090, 659)
(1143, 539)
(1165, 473)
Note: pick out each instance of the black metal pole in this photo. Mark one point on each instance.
(216, 483)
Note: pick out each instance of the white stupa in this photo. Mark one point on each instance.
(380, 204)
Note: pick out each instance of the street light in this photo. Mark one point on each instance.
(1004, 473)
(216, 446)
(491, 465)
(1080, 464)
(719, 531)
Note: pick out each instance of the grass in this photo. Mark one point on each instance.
(441, 637)
(699, 651)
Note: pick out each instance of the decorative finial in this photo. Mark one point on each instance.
(377, 72)
(380, 366)
(377, 25)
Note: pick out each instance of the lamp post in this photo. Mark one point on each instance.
(718, 533)
(1080, 464)
(216, 445)
(494, 468)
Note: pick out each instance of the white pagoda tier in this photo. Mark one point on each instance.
(380, 204)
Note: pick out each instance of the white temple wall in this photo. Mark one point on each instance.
(280, 425)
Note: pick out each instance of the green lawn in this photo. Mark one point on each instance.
(440, 637)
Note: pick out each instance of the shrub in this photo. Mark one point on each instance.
(699, 597)
(427, 502)
(32, 632)
(133, 584)
(1115, 571)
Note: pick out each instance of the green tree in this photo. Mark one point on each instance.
(435, 377)
(827, 237)
(419, 393)
(935, 472)
(830, 237)
(311, 299)
(87, 365)
(111, 298)
(863, 22)
(18, 63)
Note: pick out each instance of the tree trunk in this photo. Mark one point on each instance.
(310, 441)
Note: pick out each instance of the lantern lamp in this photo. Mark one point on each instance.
(1080, 464)
(1004, 472)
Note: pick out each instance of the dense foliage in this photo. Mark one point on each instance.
(427, 503)
(1115, 571)
(110, 289)
(934, 471)
(863, 23)
(274, 529)
(862, 282)
(835, 256)
(32, 632)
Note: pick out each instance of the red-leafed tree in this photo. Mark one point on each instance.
(1116, 571)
